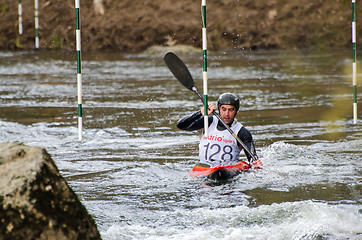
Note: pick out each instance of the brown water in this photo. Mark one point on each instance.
(131, 168)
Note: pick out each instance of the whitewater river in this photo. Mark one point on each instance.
(131, 169)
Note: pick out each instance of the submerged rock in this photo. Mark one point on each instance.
(36, 201)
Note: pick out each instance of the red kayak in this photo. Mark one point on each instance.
(223, 172)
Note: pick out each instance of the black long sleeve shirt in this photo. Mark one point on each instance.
(195, 121)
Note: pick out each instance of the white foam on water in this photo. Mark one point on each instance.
(133, 178)
(297, 220)
(288, 165)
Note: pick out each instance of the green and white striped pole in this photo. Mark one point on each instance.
(354, 65)
(20, 13)
(79, 69)
(204, 60)
(36, 6)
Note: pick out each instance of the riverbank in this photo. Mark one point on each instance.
(134, 26)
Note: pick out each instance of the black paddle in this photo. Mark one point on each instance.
(183, 75)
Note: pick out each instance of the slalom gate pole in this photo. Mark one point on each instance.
(79, 69)
(204, 60)
(20, 19)
(354, 64)
(36, 7)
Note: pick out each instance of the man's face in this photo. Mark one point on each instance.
(227, 113)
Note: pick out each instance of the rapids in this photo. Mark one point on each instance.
(131, 169)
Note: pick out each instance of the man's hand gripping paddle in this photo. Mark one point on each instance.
(183, 75)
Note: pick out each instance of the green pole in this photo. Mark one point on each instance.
(204, 60)
(20, 13)
(354, 64)
(79, 69)
(36, 6)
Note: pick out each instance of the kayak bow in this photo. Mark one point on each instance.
(220, 172)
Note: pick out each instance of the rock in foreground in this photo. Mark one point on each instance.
(35, 200)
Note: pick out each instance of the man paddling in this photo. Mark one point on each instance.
(220, 148)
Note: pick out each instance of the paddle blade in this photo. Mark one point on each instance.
(179, 70)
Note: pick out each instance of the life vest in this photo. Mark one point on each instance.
(220, 148)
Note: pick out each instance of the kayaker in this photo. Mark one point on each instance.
(220, 148)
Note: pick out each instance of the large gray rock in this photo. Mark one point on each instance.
(35, 200)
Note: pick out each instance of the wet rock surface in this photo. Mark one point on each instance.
(36, 201)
